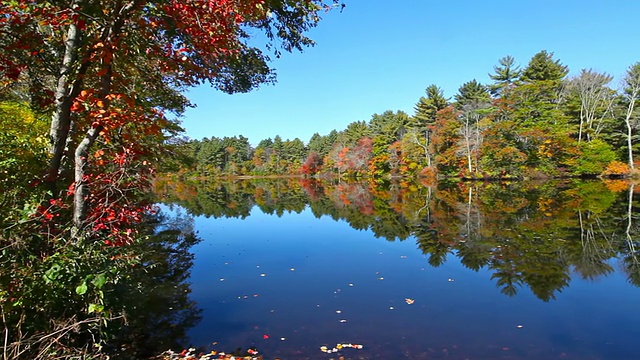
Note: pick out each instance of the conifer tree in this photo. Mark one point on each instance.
(542, 67)
(428, 106)
(425, 117)
(505, 74)
(471, 92)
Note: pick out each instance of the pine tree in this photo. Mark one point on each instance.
(505, 74)
(542, 67)
(471, 92)
(428, 106)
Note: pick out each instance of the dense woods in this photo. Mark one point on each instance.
(530, 122)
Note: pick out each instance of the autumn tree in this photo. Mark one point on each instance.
(312, 164)
(109, 77)
(98, 66)
(445, 140)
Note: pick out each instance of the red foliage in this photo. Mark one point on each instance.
(312, 165)
(115, 66)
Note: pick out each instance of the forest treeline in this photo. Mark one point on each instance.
(527, 123)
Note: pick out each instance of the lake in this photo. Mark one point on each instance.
(297, 268)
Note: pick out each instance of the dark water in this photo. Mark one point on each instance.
(469, 271)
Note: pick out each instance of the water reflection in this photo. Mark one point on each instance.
(145, 295)
(156, 295)
(526, 234)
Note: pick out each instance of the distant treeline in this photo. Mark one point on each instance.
(532, 122)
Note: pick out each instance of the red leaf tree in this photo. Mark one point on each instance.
(110, 72)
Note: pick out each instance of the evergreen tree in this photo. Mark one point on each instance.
(542, 67)
(389, 125)
(428, 106)
(505, 74)
(322, 144)
(471, 92)
(354, 132)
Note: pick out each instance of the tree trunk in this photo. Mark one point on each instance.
(627, 121)
(61, 118)
(81, 188)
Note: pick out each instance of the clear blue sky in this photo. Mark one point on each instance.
(380, 55)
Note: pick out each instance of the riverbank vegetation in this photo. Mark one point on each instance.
(530, 122)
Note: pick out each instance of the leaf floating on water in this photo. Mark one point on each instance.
(409, 301)
(340, 347)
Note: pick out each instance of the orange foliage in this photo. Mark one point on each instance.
(617, 185)
(616, 168)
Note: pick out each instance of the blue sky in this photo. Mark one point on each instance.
(381, 55)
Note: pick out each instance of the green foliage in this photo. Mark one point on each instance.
(542, 67)
(322, 144)
(427, 107)
(389, 126)
(354, 132)
(593, 157)
(127, 302)
(470, 93)
(505, 74)
(23, 145)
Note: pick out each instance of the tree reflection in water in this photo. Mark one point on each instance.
(534, 234)
(156, 296)
(143, 307)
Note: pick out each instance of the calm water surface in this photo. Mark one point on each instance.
(288, 284)
(412, 271)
